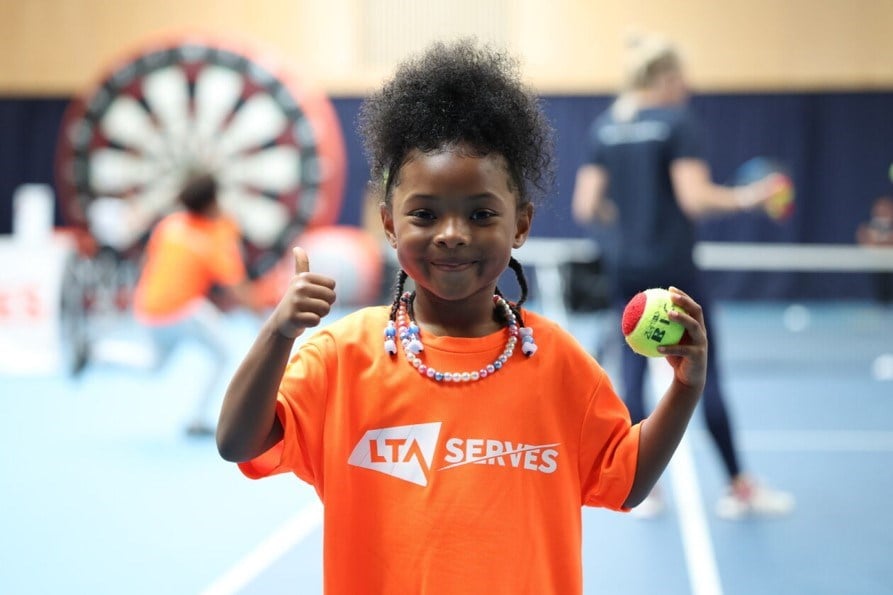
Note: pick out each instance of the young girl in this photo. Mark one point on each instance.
(454, 436)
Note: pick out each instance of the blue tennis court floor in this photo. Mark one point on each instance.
(102, 492)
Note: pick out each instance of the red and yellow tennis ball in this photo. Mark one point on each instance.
(780, 205)
(646, 322)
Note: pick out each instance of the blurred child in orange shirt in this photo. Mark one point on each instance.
(191, 253)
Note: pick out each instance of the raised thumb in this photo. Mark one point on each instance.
(302, 262)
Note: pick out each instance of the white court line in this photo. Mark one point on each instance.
(270, 550)
(700, 558)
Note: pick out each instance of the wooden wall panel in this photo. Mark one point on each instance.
(56, 47)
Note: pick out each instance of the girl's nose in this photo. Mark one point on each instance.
(453, 231)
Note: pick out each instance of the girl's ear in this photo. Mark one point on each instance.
(522, 225)
(387, 222)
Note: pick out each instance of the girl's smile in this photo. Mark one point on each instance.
(452, 266)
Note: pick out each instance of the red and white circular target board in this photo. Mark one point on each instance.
(198, 102)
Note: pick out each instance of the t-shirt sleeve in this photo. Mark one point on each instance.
(609, 447)
(686, 138)
(300, 407)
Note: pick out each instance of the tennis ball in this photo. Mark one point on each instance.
(646, 324)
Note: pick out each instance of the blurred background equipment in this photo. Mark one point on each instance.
(33, 260)
(171, 108)
(192, 103)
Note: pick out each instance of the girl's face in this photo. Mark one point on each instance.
(454, 220)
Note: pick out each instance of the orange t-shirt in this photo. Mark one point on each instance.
(443, 488)
(186, 255)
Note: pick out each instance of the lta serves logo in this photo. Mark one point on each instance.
(407, 452)
(402, 451)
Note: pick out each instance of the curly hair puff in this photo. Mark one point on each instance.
(453, 94)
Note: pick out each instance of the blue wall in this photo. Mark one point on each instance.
(838, 146)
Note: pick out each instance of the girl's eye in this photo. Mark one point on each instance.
(425, 215)
(421, 215)
(482, 215)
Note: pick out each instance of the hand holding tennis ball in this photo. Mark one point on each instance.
(780, 205)
(647, 323)
(671, 317)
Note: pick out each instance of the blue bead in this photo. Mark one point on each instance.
(438, 376)
(390, 332)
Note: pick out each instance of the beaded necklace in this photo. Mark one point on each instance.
(408, 332)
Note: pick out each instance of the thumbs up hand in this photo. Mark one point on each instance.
(307, 300)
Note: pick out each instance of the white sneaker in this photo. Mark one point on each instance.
(651, 507)
(746, 498)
